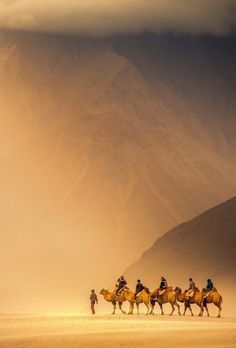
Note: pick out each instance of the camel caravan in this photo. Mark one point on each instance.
(163, 295)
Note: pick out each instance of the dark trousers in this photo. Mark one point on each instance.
(93, 307)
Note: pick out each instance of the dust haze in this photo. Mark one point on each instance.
(105, 17)
(91, 173)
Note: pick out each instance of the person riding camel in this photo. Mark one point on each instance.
(209, 287)
(121, 285)
(139, 288)
(163, 286)
(191, 289)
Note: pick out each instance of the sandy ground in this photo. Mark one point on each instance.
(26, 331)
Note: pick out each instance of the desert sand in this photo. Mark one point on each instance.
(27, 331)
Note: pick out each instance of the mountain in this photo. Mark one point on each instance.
(201, 248)
(104, 145)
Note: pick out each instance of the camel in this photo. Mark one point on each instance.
(110, 296)
(213, 297)
(197, 299)
(143, 297)
(167, 297)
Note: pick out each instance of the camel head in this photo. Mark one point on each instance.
(103, 291)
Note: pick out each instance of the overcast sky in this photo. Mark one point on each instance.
(105, 17)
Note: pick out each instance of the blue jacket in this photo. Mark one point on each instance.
(209, 286)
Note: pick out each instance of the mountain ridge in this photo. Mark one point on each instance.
(217, 223)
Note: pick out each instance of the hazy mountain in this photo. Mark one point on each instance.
(202, 247)
(104, 145)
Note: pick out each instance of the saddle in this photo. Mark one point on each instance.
(161, 292)
(208, 292)
(119, 292)
(190, 293)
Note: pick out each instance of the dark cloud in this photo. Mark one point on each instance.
(104, 17)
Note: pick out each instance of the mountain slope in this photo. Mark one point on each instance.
(202, 247)
(101, 153)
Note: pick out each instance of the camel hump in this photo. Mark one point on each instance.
(147, 290)
(197, 290)
(214, 289)
(170, 288)
(154, 292)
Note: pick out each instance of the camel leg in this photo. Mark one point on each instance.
(201, 310)
(130, 309)
(173, 308)
(220, 309)
(204, 306)
(152, 303)
(161, 306)
(120, 307)
(152, 309)
(137, 305)
(114, 308)
(191, 311)
(147, 305)
(178, 306)
(187, 306)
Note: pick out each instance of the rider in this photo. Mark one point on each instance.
(139, 288)
(121, 285)
(163, 286)
(209, 287)
(191, 289)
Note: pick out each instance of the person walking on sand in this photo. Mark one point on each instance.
(93, 301)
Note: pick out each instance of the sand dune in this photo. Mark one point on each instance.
(109, 331)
